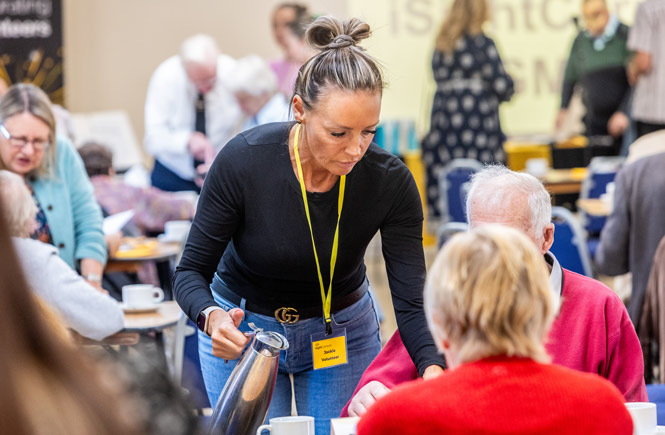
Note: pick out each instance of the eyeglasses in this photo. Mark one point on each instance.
(19, 142)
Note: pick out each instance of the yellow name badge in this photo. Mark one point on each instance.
(329, 350)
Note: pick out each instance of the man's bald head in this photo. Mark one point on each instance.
(596, 16)
(518, 200)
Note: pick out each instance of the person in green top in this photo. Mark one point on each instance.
(597, 64)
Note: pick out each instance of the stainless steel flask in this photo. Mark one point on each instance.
(243, 404)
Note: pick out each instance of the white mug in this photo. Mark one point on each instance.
(177, 230)
(537, 167)
(644, 417)
(141, 295)
(296, 425)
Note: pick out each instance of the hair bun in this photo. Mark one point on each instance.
(341, 41)
(330, 33)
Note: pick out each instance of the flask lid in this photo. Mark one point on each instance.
(273, 339)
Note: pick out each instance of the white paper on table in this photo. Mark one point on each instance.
(116, 222)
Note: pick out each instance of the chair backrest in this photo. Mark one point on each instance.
(449, 229)
(600, 173)
(570, 246)
(452, 190)
(656, 394)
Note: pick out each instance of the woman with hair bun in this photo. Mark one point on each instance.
(283, 222)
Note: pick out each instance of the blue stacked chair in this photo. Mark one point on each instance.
(449, 229)
(452, 192)
(570, 242)
(656, 393)
(600, 173)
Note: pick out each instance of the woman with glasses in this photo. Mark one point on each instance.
(68, 216)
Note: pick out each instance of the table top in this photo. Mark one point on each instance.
(594, 207)
(166, 315)
(559, 181)
(557, 176)
(135, 249)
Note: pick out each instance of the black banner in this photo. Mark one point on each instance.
(31, 45)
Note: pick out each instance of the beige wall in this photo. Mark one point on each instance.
(113, 46)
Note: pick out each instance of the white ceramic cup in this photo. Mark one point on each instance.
(537, 167)
(141, 295)
(644, 417)
(296, 425)
(177, 230)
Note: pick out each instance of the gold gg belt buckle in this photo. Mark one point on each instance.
(287, 315)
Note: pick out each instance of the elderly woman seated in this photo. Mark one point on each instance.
(489, 307)
(254, 86)
(84, 309)
(152, 207)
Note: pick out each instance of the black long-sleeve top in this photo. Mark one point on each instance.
(251, 216)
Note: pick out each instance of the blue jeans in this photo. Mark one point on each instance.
(318, 393)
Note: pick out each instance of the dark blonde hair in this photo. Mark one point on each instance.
(25, 97)
(340, 63)
(46, 385)
(465, 17)
(488, 294)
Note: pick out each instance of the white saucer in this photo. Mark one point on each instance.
(137, 310)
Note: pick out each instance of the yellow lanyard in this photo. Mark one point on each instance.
(325, 298)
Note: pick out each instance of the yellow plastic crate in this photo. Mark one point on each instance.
(414, 162)
(519, 152)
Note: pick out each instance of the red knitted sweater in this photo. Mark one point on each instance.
(501, 395)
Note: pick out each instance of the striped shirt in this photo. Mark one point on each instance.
(648, 35)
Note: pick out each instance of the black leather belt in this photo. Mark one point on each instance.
(291, 314)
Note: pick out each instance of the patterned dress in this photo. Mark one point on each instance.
(471, 82)
(41, 230)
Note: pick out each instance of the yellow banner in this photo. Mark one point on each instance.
(533, 36)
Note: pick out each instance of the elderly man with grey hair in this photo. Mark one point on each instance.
(190, 114)
(83, 308)
(591, 332)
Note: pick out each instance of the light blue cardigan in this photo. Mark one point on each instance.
(68, 201)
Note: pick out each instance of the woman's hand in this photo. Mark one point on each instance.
(432, 372)
(227, 340)
(365, 397)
